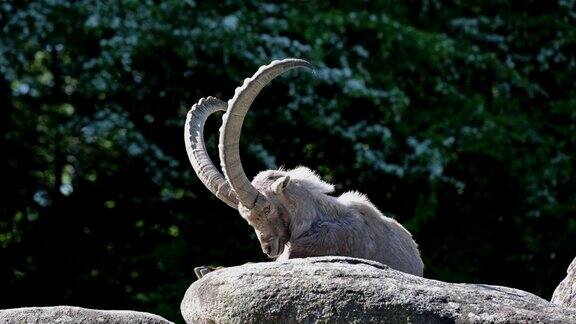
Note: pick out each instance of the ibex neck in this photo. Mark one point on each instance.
(315, 208)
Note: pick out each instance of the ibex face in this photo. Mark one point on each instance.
(270, 221)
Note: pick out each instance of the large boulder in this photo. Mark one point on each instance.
(347, 290)
(73, 315)
(565, 293)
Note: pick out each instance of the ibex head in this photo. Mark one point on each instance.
(259, 202)
(271, 219)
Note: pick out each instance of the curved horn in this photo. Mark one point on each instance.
(196, 149)
(232, 125)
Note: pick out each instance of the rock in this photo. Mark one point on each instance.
(348, 290)
(565, 293)
(70, 314)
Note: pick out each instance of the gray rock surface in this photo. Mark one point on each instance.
(71, 314)
(565, 293)
(347, 290)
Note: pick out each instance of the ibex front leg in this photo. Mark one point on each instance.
(201, 271)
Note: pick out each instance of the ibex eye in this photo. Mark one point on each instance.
(266, 209)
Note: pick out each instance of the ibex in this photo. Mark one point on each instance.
(291, 211)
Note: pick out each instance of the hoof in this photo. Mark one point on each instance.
(202, 271)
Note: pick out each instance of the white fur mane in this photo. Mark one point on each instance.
(310, 180)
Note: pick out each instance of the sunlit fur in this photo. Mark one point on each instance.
(302, 220)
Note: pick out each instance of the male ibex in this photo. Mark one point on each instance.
(291, 210)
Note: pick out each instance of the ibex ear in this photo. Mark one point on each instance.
(280, 184)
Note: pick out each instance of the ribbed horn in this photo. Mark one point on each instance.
(232, 125)
(196, 149)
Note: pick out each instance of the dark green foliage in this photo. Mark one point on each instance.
(457, 118)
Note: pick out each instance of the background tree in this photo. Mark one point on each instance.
(456, 118)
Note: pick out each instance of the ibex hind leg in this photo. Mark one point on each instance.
(201, 271)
